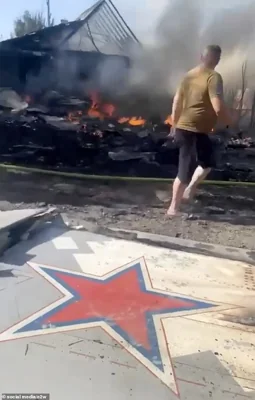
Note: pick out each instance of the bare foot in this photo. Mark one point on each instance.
(188, 195)
(173, 213)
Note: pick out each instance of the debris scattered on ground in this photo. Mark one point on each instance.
(68, 135)
(137, 207)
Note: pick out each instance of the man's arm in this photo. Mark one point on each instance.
(215, 89)
(177, 106)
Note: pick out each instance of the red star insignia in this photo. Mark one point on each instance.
(123, 303)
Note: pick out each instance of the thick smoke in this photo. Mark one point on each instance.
(173, 50)
(173, 34)
(234, 31)
(179, 37)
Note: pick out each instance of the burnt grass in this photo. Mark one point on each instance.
(222, 215)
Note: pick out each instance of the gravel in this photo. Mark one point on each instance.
(220, 215)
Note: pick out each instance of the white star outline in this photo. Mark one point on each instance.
(167, 376)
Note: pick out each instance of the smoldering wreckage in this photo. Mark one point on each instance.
(58, 109)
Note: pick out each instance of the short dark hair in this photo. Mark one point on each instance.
(214, 48)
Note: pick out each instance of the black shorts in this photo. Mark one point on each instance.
(195, 149)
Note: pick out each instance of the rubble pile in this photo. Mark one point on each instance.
(45, 136)
(106, 147)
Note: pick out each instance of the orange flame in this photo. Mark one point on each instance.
(123, 120)
(108, 109)
(101, 111)
(134, 121)
(94, 113)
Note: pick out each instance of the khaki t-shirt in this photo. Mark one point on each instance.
(196, 89)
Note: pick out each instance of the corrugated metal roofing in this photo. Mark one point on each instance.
(100, 28)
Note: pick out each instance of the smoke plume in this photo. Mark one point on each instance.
(173, 34)
(174, 46)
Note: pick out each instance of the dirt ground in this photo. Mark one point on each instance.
(221, 215)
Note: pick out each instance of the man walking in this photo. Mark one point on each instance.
(197, 106)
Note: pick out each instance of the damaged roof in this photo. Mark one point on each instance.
(100, 28)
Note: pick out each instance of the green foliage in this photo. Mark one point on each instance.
(29, 23)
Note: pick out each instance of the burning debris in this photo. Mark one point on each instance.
(62, 112)
(88, 136)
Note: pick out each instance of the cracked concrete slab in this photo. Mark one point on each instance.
(123, 319)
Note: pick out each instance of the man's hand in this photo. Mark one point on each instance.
(222, 112)
(172, 133)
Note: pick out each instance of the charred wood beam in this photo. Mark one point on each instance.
(109, 30)
(114, 22)
(107, 147)
(79, 25)
(113, 26)
(91, 37)
(123, 21)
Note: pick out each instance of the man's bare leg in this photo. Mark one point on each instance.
(178, 191)
(199, 175)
